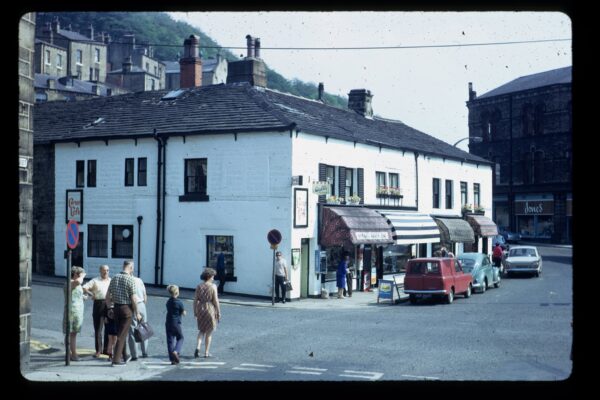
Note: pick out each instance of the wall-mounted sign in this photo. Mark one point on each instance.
(295, 258)
(74, 206)
(300, 208)
(320, 187)
(297, 180)
(534, 207)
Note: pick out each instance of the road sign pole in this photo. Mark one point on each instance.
(68, 310)
(273, 280)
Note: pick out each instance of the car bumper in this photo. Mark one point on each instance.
(512, 269)
(426, 291)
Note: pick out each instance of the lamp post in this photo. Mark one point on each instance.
(475, 139)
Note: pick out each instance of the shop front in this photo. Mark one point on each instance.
(484, 228)
(357, 231)
(413, 234)
(535, 216)
(455, 234)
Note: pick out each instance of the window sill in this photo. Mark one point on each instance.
(194, 197)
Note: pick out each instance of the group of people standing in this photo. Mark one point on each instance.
(120, 305)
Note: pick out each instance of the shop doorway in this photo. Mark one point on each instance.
(304, 264)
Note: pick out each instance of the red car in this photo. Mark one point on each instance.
(436, 277)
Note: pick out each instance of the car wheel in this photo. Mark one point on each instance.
(497, 284)
(537, 274)
(468, 292)
(450, 296)
(412, 298)
(484, 286)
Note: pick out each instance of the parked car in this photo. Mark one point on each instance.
(438, 276)
(481, 268)
(500, 239)
(523, 259)
(510, 237)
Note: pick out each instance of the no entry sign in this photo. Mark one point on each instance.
(72, 234)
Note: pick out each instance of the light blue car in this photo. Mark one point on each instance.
(481, 268)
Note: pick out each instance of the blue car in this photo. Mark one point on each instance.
(481, 269)
(510, 237)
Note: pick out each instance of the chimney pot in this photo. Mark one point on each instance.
(472, 93)
(321, 89)
(257, 47)
(249, 46)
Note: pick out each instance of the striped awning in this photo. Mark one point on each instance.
(411, 227)
(483, 226)
(455, 230)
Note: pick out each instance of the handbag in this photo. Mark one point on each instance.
(142, 331)
(288, 285)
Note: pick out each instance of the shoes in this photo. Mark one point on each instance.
(283, 301)
(74, 358)
(174, 357)
(208, 355)
(119, 364)
(97, 355)
(196, 355)
(144, 355)
(133, 359)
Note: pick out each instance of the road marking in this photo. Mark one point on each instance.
(422, 377)
(306, 371)
(361, 374)
(253, 367)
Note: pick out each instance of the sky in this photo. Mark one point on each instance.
(427, 87)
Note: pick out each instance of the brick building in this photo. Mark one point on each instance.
(527, 131)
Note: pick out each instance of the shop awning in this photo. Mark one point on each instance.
(482, 226)
(348, 226)
(455, 230)
(411, 227)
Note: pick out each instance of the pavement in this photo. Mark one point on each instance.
(48, 355)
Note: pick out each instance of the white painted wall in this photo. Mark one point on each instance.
(250, 191)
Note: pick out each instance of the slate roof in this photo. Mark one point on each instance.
(76, 36)
(77, 86)
(552, 77)
(225, 108)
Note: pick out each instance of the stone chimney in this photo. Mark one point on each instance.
(472, 93)
(359, 100)
(55, 25)
(251, 69)
(321, 89)
(90, 32)
(190, 65)
(127, 65)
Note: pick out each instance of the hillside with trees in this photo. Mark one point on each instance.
(166, 36)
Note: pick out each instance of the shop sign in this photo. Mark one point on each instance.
(74, 206)
(384, 290)
(372, 236)
(534, 207)
(320, 187)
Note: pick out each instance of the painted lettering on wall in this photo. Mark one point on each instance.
(533, 208)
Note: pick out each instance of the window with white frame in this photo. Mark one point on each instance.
(59, 63)
(436, 193)
(47, 57)
(79, 57)
(97, 55)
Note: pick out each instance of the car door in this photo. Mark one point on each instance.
(461, 280)
(486, 265)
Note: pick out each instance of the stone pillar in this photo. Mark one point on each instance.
(26, 102)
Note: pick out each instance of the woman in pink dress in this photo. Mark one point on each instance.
(206, 310)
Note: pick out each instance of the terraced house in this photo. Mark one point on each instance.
(172, 178)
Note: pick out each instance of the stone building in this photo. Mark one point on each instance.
(53, 88)
(86, 56)
(527, 132)
(26, 103)
(133, 67)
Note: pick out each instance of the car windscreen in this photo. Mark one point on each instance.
(419, 268)
(467, 264)
(522, 253)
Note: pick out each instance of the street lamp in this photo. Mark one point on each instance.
(475, 139)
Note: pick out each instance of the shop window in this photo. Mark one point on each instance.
(214, 246)
(97, 241)
(395, 257)
(122, 241)
(334, 256)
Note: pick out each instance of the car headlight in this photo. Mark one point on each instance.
(535, 264)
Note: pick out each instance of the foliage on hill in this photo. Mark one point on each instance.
(166, 36)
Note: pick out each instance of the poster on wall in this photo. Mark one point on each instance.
(74, 206)
(300, 208)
